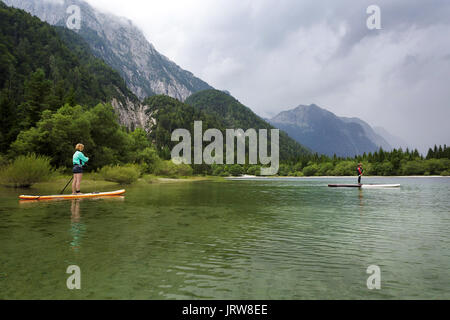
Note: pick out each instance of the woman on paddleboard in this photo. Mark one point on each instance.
(79, 160)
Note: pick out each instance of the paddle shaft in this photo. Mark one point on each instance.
(66, 186)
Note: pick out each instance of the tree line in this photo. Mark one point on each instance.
(379, 163)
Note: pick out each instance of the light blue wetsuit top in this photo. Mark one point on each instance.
(79, 158)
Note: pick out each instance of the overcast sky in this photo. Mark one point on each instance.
(275, 55)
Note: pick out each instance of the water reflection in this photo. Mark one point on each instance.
(361, 202)
(77, 228)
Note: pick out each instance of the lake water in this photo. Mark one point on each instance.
(252, 239)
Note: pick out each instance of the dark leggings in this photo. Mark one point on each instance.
(359, 179)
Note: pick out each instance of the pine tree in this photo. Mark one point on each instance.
(37, 90)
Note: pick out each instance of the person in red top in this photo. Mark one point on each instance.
(359, 171)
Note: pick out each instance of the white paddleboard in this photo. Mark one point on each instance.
(366, 186)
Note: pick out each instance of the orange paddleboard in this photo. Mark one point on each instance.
(74, 196)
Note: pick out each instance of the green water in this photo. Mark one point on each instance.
(256, 239)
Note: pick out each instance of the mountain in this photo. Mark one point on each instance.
(394, 141)
(324, 132)
(370, 132)
(234, 114)
(122, 46)
(42, 67)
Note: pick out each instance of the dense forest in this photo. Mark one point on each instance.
(167, 114)
(106, 142)
(44, 67)
(380, 163)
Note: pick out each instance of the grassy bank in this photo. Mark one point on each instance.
(92, 182)
(162, 179)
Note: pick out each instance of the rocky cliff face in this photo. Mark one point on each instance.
(131, 115)
(121, 45)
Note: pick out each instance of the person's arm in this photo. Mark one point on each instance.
(83, 157)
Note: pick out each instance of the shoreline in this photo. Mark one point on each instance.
(93, 185)
(328, 177)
